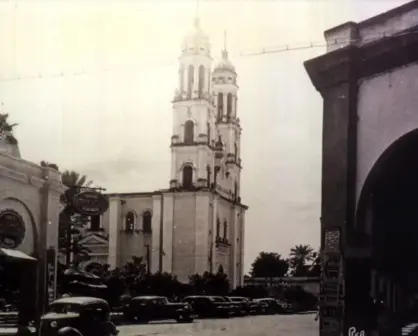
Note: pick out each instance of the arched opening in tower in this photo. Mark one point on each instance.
(229, 105)
(187, 178)
(189, 132)
(201, 80)
(190, 80)
(387, 223)
(220, 105)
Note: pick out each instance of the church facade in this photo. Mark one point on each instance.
(197, 224)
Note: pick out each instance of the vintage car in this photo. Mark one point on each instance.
(272, 306)
(249, 307)
(156, 308)
(86, 315)
(209, 306)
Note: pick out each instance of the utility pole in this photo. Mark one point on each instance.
(211, 258)
(161, 240)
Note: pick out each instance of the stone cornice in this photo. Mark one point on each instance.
(358, 62)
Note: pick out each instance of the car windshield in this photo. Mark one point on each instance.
(64, 308)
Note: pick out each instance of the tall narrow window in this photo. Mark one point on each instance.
(220, 105)
(218, 227)
(208, 132)
(129, 221)
(208, 175)
(189, 132)
(146, 222)
(235, 150)
(236, 189)
(190, 81)
(225, 230)
(188, 177)
(95, 223)
(201, 80)
(181, 79)
(229, 105)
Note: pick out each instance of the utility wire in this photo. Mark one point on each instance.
(263, 51)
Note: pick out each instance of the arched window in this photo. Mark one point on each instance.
(218, 227)
(220, 105)
(229, 104)
(189, 132)
(201, 80)
(181, 79)
(129, 221)
(225, 229)
(235, 150)
(146, 222)
(190, 80)
(187, 177)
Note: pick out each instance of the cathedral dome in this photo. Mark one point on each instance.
(224, 63)
(196, 40)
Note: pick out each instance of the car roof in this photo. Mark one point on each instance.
(148, 297)
(81, 300)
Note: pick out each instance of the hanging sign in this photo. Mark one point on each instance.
(90, 203)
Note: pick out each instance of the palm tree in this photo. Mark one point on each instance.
(71, 179)
(69, 227)
(300, 255)
(49, 165)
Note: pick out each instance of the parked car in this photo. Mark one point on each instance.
(249, 307)
(208, 306)
(239, 307)
(85, 315)
(271, 306)
(156, 308)
(259, 306)
(285, 307)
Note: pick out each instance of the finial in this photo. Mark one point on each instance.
(196, 20)
(225, 51)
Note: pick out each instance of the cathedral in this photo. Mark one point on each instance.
(197, 224)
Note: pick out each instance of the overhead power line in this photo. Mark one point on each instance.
(249, 53)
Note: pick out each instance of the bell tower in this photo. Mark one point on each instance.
(193, 115)
(228, 161)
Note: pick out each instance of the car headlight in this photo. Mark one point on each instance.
(53, 324)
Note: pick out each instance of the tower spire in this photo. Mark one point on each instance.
(225, 51)
(196, 16)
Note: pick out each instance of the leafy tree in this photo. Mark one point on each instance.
(6, 129)
(300, 256)
(269, 265)
(209, 283)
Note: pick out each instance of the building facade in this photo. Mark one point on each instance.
(196, 224)
(29, 213)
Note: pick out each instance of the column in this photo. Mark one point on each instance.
(114, 229)
(168, 223)
(156, 224)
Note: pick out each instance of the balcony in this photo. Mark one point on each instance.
(221, 241)
(195, 95)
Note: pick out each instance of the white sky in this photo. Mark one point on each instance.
(113, 122)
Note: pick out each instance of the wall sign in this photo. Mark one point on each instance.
(90, 203)
(12, 229)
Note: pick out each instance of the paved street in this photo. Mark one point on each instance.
(289, 325)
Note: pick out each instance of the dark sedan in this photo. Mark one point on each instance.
(208, 306)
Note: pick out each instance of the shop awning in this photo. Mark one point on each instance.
(15, 255)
